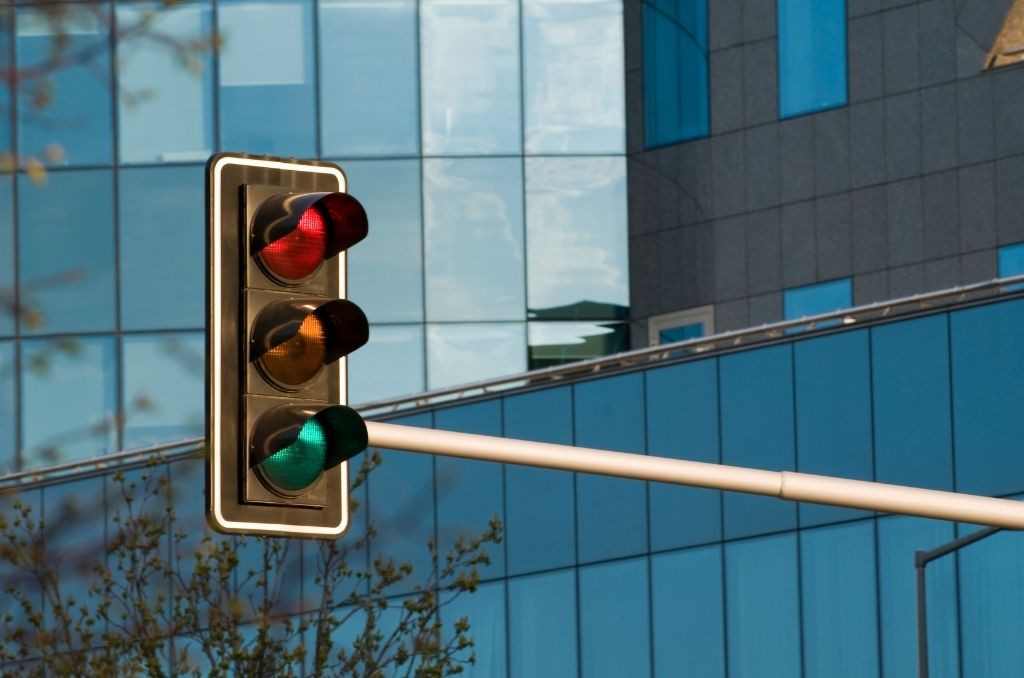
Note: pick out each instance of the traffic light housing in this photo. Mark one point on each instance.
(279, 328)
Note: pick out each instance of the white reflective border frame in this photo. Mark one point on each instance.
(215, 358)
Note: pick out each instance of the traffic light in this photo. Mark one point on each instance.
(279, 328)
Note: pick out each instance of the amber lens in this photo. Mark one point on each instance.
(297, 360)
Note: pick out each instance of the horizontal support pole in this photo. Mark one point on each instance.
(789, 485)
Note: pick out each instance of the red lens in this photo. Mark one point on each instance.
(298, 254)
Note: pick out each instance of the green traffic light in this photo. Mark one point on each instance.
(297, 466)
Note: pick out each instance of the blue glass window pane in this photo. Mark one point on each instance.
(762, 607)
(833, 415)
(462, 353)
(675, 72)
(812, 55)
(473, 222)
(162, 242)
(485, 609)
(66, 252)
(540, 524)
(385, 273)
(67, 399)
(470, 77)
(401, 507)
(1011, 260)
(611, 512)
(691, 331)
(988, 387)
(800, 302)
(17, 577)
(689, 623)
(470, 492)
(682, 422)
(165, 106)
(391, 364)
(164, 387)
(757, 432)
(75, 126)
(8, 408)
(910, 373)
(7, 302)
(840, 619)
(615, 620)
(573, 64)
(542, 624)
(577, 263)
(368, 78)
(267, 97)
(561, 342)
(7, 121)
(898, 538)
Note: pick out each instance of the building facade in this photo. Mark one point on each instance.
(781, 159)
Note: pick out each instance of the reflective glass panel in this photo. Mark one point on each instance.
(462, 353)
(910, 373)
(66, 252)
(540, 524)
(611, 512)
(762, 607)
(267, 97)
(6, 62)
(164, 388)
(615, 619)
(162, 240)
(401, 505)
(473, 222)
(542, 624)
(469, 77)
(573, 69)
(988, 387)
(64, 118)
(385, 271)
(840, 616)
(577, 261)
(812, 55)
(470, 492)
(757, 432)
(485, 609)
(391, 364)
(833, 415)
(689, 623)
(368, 78)
(8, 409)
(165, 97)
(675, 71)
(682, 423)
(557, 343)
(1011, 260)
(898, 538)
(800, 302)
(8, 307)
(68, 399)
(18, 577)
(682, 333)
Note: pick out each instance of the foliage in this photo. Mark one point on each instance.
(160, 601)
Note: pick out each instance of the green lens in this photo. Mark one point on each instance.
(297, 466)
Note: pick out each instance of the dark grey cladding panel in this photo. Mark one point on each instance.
(832, 151)
(942, 274)
(644, 275)
(764, 249)
(869, 229)
(937, 21)
(758, 19)
(761, 155)
(975, 120)
(864, 67)
(687, 264)
(903, 136)
(855, 8)
(941, 214)
(634, 111)
(938, 128)
(870, 287)
(1008, 86)
(970, 55)
(765, 308)
(693, 166)
(905, 281)
(632, 26)
(977, 193)
(725, 23)
(796, 149)
(760, 83)
(867, 143)
(726, 68)
(730, 258)
(728, 185)
(732, 315)
(978, 266)
(903, 219)
(902, 71)
(798, 248)
(981, 19)
(832, 236)
(1010, 200)
(654, 198)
